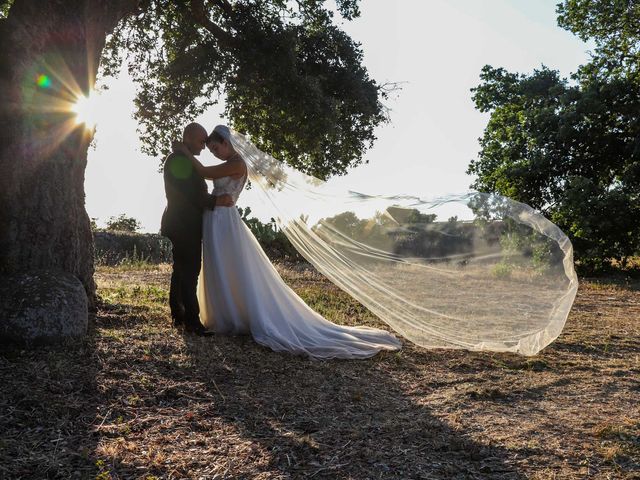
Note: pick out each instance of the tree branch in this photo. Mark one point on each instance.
(225, 6)
(199, 14)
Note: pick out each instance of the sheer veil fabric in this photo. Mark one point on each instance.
(474, 271)
(240, 292)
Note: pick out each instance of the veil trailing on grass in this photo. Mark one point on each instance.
(474, 271)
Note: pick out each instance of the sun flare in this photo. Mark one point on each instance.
(87, 110)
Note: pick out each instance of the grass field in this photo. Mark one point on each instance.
(139, 400)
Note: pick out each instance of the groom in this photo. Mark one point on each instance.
(187, 198)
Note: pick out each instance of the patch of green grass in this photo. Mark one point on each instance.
(613, 282)
(335, 305)
(501, 270)
(103, 471)
(114, 334)
(136, 294)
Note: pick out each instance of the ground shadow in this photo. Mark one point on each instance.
(138, 400)
(332, 419)
(49, 406)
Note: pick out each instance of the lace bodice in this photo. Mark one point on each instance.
(232, 186)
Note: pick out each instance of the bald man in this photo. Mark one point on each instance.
(187, 198)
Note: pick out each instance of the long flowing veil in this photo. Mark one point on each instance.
(475, 271)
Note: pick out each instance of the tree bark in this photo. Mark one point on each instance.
(49, 56)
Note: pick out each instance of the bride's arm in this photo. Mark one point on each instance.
(227, 169)
(214, 171)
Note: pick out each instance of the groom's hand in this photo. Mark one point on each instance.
(224, 200)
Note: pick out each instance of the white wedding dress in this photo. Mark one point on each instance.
(240, 292)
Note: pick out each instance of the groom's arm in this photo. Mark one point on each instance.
(211, 200)
(224, 200)
(205, 200)
(178, 176)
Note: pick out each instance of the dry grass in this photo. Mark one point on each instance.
(138, 400)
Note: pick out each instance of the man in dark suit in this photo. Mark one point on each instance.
(187, 198)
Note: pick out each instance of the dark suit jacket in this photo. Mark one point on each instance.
(187, 198)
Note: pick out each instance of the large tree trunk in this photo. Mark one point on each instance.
(49, 56)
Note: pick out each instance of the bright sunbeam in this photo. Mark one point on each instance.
(87, 110)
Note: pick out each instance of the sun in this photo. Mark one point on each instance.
(87, 110)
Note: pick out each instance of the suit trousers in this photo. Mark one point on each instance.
(187, 259)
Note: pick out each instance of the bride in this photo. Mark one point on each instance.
(240, 291)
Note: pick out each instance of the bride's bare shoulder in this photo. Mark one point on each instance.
(241, 167)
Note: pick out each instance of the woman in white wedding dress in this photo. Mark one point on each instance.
(240, 291)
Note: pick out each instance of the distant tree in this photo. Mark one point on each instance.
(94, 224)
(122, 223)
(346, 223)
(572, 149)
(614, 25)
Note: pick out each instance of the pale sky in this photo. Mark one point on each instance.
(437, 47)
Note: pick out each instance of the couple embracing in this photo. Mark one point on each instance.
(222, 281)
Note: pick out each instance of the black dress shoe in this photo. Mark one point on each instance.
(178, 316)
(205, 333)
(198, 330)
(178, 322)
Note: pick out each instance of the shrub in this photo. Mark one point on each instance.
(274, 242)
(118, 247)
(122, 247)
(122, 223)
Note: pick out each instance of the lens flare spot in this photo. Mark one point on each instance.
(43, 81)
(87, 110)
(180, 167)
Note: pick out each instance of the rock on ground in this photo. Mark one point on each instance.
(40, 307)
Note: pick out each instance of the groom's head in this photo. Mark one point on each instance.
(194, 137)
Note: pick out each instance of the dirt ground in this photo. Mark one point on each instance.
(140, 400)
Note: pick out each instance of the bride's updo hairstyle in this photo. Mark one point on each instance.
(219, 143)
(219, 134)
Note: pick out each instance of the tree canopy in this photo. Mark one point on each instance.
(4, 8)
(614, 25)
(289, 76)
(571, 148)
